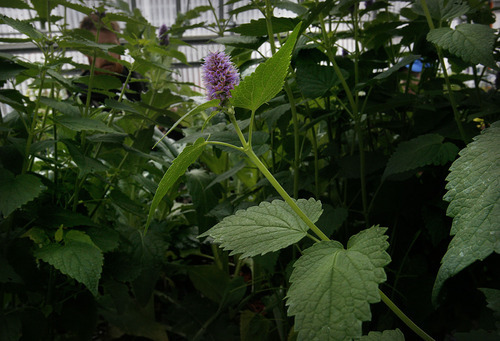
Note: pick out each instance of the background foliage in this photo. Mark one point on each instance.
(354, 137)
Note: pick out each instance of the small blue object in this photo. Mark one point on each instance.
(416, 66)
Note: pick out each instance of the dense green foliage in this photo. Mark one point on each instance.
(342, 188)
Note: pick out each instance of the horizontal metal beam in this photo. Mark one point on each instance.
(28, 47)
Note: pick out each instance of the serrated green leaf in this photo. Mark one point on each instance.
(43, 9)
(332, 287)
(493, 300)
(9, 69)
(79, 258)
(474, 196)
(14, 4)
(104, 82)
(63, 107)
(259, 27)
(246, 42)
(204, 199)
(178, 168)
(105, 238)
(37, 235)
(123, 201)
(386, 335)
(297, 8)
(443, 9)
(75, 6)
(15, 99)
(22, 27)
(86, 165)
(122, 106)
(16, 191)
(315, 80)
(78, 123)
(267, 80)
(424, 150)
(471, 42)
(269, 227)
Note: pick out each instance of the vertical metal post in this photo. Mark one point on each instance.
(132, 5)
(221, 9)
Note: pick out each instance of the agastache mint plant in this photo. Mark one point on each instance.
(332, 287)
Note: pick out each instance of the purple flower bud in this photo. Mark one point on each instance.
(219, 75)
(163, 35)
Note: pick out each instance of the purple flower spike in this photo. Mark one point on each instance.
(163, 35)
(219, 75)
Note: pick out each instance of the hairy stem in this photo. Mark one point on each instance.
(247, 149)
(288, 199)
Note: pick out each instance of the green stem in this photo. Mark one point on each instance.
(362, 168)
(338, 72)
(405, 318)
(79, 184)
(247, 149)
(238, 265)
(296, 142)
(232, 118)
(453, 103)
(403, 261)
(122, 162)
(250, 128)
(120, 98)
(255, 159)
(56, 159)
(113, 111)
(217, 258)
(224, 144)
(270, 33)
(291, 100)
(217, 22)
(310, 236)
(358, 114)
(353, 103)
(316, 161)
(31, 132)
